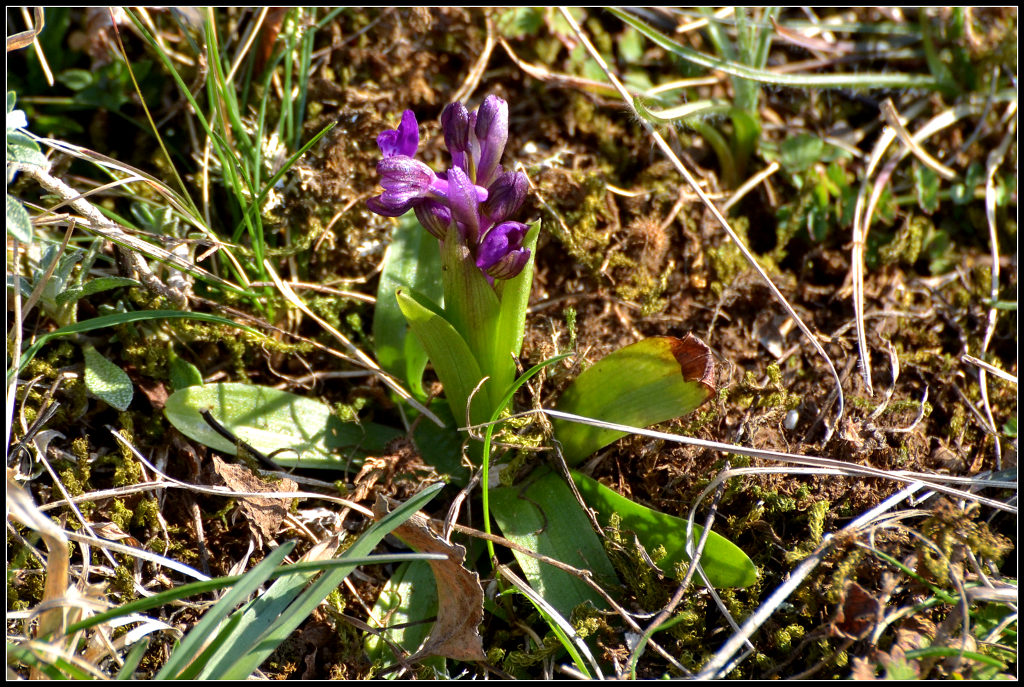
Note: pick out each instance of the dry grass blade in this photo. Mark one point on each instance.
(892, 117)
(22, 508)
(937, 482)
(719, 217)
(25, 38)
(714, 668)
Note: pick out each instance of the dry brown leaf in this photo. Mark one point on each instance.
(263, 515)
(460, 598)
(857, 614)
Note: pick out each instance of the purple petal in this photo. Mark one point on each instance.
(404, 178)
(435, 217)
(402, 141)
(511, 265)
(491, 129)
(384, 207)
(464, 202)
(505, 196)
(455, 125)
(500, 242)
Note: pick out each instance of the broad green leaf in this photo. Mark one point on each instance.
(183, 373)
(724, 563)
(92, 286)
(651, 381)
(441, 447)
(798, 153)
(106, 380)
(450, 355)
(412, 261)
(926, 184)
(270, 420)
(19, 223)
(409, 596)
(543, 515)
(21, 148)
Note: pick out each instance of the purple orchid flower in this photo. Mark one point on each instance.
(476, 196)
(501, 254)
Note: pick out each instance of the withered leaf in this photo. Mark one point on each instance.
(460, 598)
(263, 515)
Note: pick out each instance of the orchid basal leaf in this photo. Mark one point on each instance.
(450, 355)
(651, 381)
(269, 421)
(413, 262)
(723, 562)
(545, 517)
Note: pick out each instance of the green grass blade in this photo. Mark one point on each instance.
(132, 660)
(186, 590)
(300, 609)
(191, 646)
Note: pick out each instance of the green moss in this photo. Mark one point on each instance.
(147, 513)
(124, 582)
(121, 515)
(816, 519)
(631, 566)
(955, 531)
(907, 244)
(127, 470)
(69, 477)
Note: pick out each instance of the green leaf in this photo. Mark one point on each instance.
(798, 153)
(183, 373)
(412, 261)
(651, 381)
(450, 355)
(270, 420)
(106, 380)
(441, 447)
(544, 516)
(92, 286)
(409, 596)
(76, 79)
(724, 563)
(926, 184)
(19, 224)
(22, 148)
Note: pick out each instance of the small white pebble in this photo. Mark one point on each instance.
(791, 419)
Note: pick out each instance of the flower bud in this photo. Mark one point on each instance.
(491, 128)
